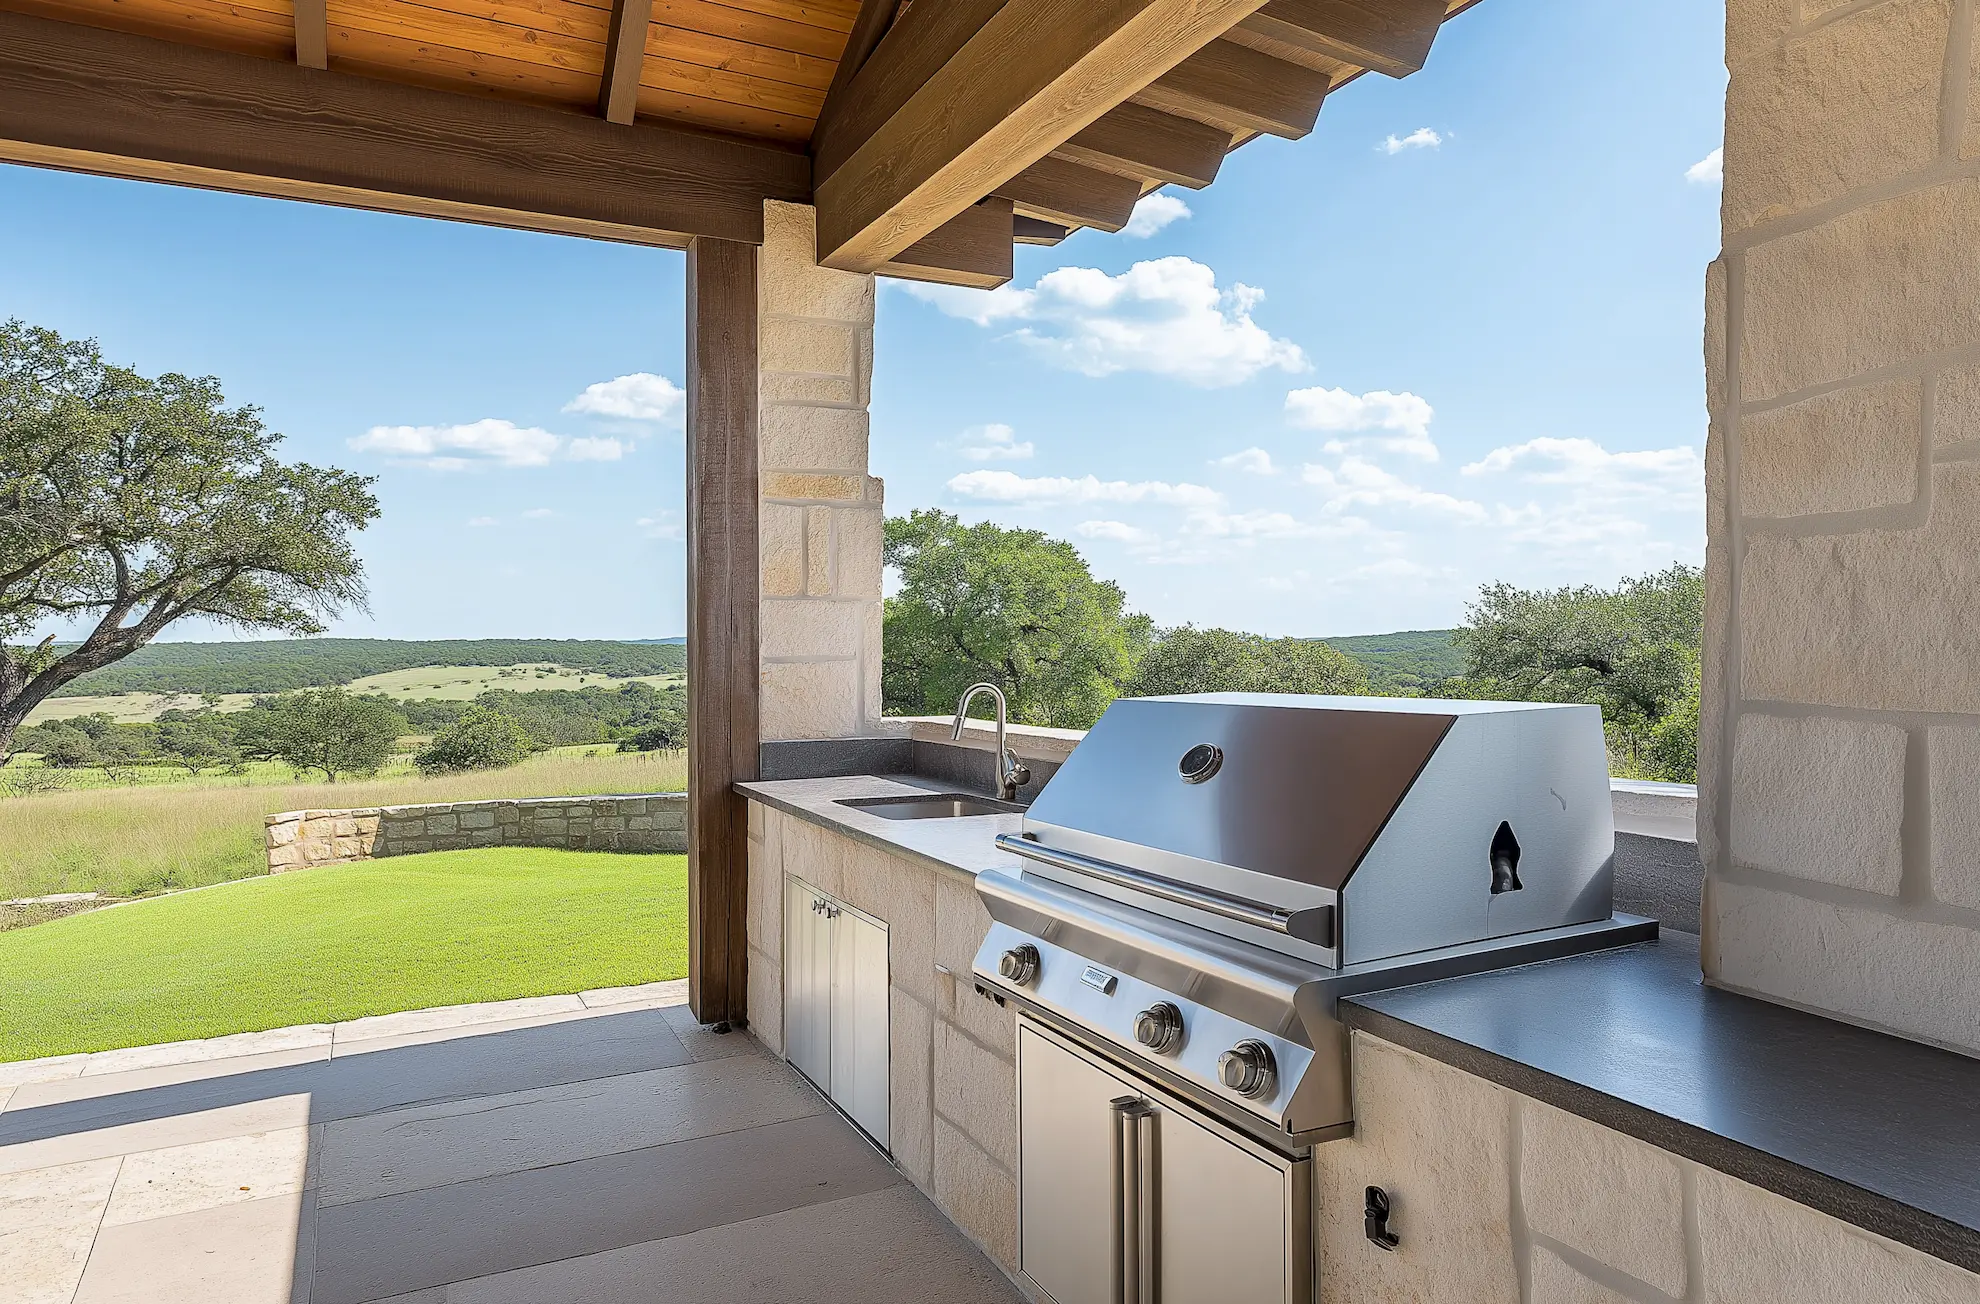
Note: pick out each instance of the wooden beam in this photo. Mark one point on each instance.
(1033, 76)
(312, 34)
(1137, 141)
(1229, 86)
(1387, 36)
(89, 100)
(972, 248)
(869, 25)
(1072, 195)
(902, 60)
(625, 58)
(1037, 231)
(722, 664)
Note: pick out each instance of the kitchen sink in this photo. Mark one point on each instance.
(933, 806)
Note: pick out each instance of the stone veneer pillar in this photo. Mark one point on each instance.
(821, 516)
(1839, 765)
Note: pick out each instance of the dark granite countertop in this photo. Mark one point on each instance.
(1872, 1129)
(963, 846)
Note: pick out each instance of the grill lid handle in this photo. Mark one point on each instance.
(1311, 924)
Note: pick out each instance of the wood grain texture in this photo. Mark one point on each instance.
(102, 101)
(1239, 89)
(625, 56)
(1037, 231)
(722, 643)
(1386, 36)
(1035, 75)
(1072, 194)
(910, 52)
(972, 248)
(1137, 141)
(875, 16)
(265, 28)
(312, 34)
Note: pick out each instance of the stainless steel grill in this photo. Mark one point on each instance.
(1206, 877)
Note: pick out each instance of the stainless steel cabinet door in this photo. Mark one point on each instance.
(1222, 1223)
(859, 1051)
(807, 983)
(1066, 1171)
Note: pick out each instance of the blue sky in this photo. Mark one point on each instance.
(1451, 337)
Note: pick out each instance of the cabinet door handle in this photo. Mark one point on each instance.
(1132, 1278)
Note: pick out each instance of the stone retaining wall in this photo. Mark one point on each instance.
(304, 839)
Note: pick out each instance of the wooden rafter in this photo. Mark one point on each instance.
(1072, 195)
(1385, 36)
(902, 60)
(312, 33)
(625, 57)
(1037, 231)
(869, 25)
(89, 100)
(1137, 141)
(972, 248)
(1240, 89)
(1035, 74)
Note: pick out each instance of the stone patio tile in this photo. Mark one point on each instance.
(887, 1247)
(35, 1095)
(425, 1147)
(674, 991)
(428, 1036)
(452, 1016)
(307, 1036)
(270, 1115)
(248, 1253)
(5, 1094)
(48, 1218)
(208, 1174)
(53, 1069)
(706, 1045)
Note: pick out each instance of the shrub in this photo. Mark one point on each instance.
(480, 740)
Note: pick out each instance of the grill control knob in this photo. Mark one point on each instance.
(1159, 1027)
(1247, 1068)
(1019, 964)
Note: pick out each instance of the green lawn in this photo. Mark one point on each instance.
(342, 942)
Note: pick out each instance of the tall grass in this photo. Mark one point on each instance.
(135, 841)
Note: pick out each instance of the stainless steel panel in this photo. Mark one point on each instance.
(1069, 1177)
(807, 982)
(1226, 1221)
(859, 1014)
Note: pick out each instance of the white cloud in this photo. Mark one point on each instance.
(641, 396)
(1404, 418)
(1252, 461)
(586, 448)
(479, 521)
(538, 514)
(661, 525)
(1357, 482)
(1166, 316)
(1061, 491)
(1708, 171)
(442, 448)
(1152, 212)
(995, 442)
(1594, 473)
(1115, 532)
(1421, 138)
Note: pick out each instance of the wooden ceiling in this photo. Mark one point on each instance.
(909, 112)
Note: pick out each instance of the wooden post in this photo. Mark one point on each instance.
(722, 660)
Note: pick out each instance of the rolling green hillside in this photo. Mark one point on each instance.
(1408, 661)
(277, 666)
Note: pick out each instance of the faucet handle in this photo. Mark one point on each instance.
(1016, 774)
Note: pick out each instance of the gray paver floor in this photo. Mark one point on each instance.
(569, 1150)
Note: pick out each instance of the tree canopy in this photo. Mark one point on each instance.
(1191, 660)
(132, 502)
(482, 739)
(1014, 607)
(326, 729)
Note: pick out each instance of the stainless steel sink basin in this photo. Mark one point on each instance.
(933, 806)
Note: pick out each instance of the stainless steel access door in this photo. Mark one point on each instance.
(1127, 1195)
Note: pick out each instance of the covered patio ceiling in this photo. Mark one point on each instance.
(931, 134)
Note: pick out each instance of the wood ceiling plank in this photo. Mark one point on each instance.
(1032, 77)
(1229, 86)
(265, 29)
(1073, 195)
(907, 55)
(835, 14)
(664, 41)
(413, 62)
(973, 248)
(92, 100)
(1037, 231)
(751, 28)
(312, 34)
(584, 55)
(558, 17)
(720, 84)
(666, 104)
(868, 27)
(1138, 141)
(625, 52)
(1387, 36)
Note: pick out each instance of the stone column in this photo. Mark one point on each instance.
(820, 527)
(1839, 765)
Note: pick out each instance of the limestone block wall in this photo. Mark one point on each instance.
(820, 529)
(305, 839)
(1839, 767)
(953, 1071)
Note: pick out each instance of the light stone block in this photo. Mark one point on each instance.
(812, 485)
(961, 923)
(802, 438)
(810, 699)
(804, 345)
(810, 628)
(818, 551)
(780, 543)
(1849, 105)
(1872, 288)
(1843, 451)
(992, 1024)
(910, 916)
(1756, 1245)
(1956, 407)
(1915, 977)
(977, 1091)
(765, 996)
(791, 281)
(1867, 619)
(1819, 799)
(872, 703)
(1438, 1141)
(978, 1196)
(1554, 1282)
(910, 1087)
(858, 565)
(816, 856)
(1612, 1197)
(766, 893)
(1955, 771)
(1755, 26)
(785, 387)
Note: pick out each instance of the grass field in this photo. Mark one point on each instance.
(135, 841)
(465, 683)
(130, 708)
(341, 943)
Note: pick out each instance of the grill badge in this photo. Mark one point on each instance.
(1200, 762)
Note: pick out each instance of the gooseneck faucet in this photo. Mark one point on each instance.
(1011, 772)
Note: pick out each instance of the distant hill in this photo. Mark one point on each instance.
(1411, 660)
(280, 665)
